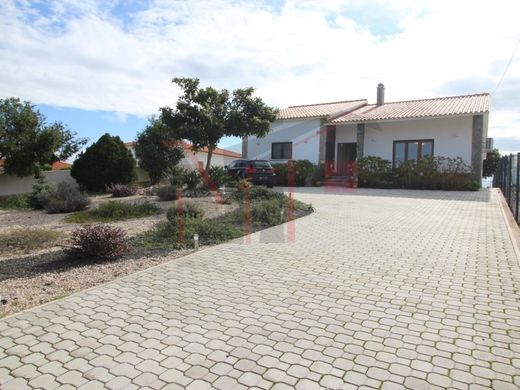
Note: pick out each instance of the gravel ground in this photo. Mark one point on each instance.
(28, 280)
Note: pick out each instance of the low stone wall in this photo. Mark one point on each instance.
(10, 185)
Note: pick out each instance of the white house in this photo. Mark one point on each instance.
(336, 134)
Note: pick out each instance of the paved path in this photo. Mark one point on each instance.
(382, 289)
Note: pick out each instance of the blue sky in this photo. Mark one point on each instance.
(106, 66)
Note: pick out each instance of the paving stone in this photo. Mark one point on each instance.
(431, 302)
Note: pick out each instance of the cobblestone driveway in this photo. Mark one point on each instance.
(382, 289)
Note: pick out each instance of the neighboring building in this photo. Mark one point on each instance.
(336, 134)
(192, 160)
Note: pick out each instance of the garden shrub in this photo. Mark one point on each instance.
(192, 179)
(373, 172)
(187, 209)
(280, 175)
(318, 175)
(115, 211)
(39, 194)
(177, 176)
(105, 162)
(303, 172)
(216, 178)
(15, 202)
(65, 198)
(268, 212)
(101, 241)
(434, 173)
(168, 193)
(253, 192)
(121, 190)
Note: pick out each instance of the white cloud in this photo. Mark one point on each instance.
(80, 55)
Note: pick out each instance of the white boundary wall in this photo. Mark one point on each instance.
(10, 185)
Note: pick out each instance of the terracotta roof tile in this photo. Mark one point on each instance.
(320, 110)
(452, 105)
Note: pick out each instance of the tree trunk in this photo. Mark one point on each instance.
(210, 154)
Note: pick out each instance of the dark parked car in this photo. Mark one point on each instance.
(255, 171)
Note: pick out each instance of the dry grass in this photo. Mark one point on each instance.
(25, 240)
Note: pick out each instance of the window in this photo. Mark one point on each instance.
(281, 151)
(412, 150)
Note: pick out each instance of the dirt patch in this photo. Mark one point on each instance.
(32, 280)
(28, 280)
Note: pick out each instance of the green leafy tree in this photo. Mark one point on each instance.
(103, 163)
(156, 151)
(28, 142)
(491, 163)
(204, 115)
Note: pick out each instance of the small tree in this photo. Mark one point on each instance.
(28, 142)
(105, 162)
(490, 163)
(156, 151)
(204, 115)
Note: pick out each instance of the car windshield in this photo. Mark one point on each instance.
(260, 164)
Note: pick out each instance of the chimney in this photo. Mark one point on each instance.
(380, 94)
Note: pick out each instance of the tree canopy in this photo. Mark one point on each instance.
(28, 142)
(105, 162)
(490, 163)
(156, 151)
(203, 116)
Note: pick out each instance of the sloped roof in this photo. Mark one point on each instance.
(322, 110)
(187, 146)
(444, 106)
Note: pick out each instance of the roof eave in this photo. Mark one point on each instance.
(407, 118)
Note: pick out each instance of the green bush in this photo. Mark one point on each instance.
(280, 175)
(373, 172)
(100, 241)
(15, 202)
(259, 205)
(188, 210)
(39, 194)
(177, 176)
(434, 173)
(253, 192)
(105, 162)
(112, 211)
(167, 193)
(303, 171)
(216, 178)
(268, 212)
(192, 179)
(171, 235)
(65, 198)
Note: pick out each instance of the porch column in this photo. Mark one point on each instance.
(323, 142)
(360, 140)
(476, 146)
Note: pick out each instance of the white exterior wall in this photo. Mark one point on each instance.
(191, 159)
(345, 134)
(10, 185)
(304, 134)
(452, 136)
(217, 160)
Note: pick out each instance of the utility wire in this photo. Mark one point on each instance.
(507, 67)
